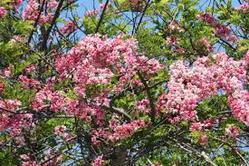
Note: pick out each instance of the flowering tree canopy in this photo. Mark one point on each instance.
(124, 82)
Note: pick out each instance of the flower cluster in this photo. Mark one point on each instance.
(117, 132)
(98, 161)
(29, 82)
(95, 12)
(91, 13)
(34, 11)
(143, 105)
(28, 160)
(2, 87)
(189, 85)
(68, 28)
(10, 119)
(47, 98)
(232, 131)
(221, 30)
(61, 131)
(3, 12)
(97, 60)
(243, 8)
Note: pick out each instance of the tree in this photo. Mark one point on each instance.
(128, 82)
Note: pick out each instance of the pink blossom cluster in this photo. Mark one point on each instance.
(96, 60)
(199, 126)
(2, 87)
(174, 26)
(98, 161)
(10, 119)
(35, 12)
(143, 106)
(88, 112)
(17, 3)
(12, 4)
(48, 98)
(243, 8)
(204, 42)
(28, 160)
(61, 131)
(221, 30)
(203, 139)
(6, 72)
(95, 12)
(117, 132)
(91, 13)
(3, 12)
(207, 76)
(232, 131)
(68, 28)
(29, 82)
(30, 68)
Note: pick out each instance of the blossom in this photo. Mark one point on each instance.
(32, 11)
(143, 105)
(7, 71)
(196, 126)
(3, 12)
(189, 85)
(68, 28)
(28, 82)
(120, 131)
(30, 68)
(98, 161)
(28, 160)
(2, 86)
(232, 131)
(221, 30)
(243, 8)
(47, 98)
(91, 13)
(203, 42)
(96, 60)
(203, 140)
(60, 130)
(17, 3)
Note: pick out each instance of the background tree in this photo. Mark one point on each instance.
(124, 82)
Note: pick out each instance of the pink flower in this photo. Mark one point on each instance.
(28, 161)
(232, 131)
(29, 82)
(196, 126)
(203, 140)
(189, 85)
(3, 12)
(2, 86)
(91, 13)
(119, 132)
(30, 68)
(204, 42)
(60, 130)
(174, 26)
(32, 11)
(143, 105)
(7, 71)
(221, 30)
(98, 161)
(17, 3)
(243, 8)
(68, 28)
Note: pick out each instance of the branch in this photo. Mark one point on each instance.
(141, 18)
(147, 89)
(102, 16)
(56, 15)
(118, 111)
